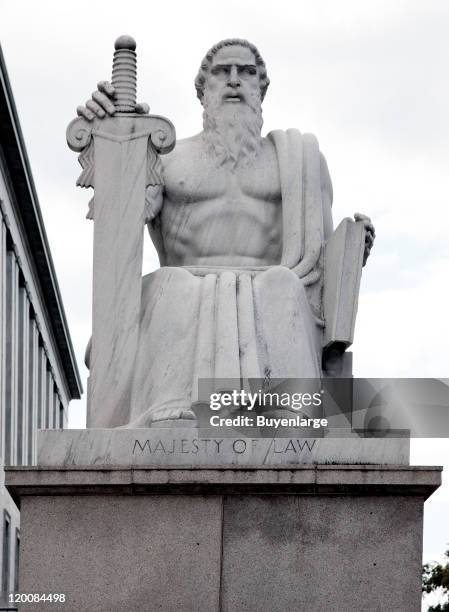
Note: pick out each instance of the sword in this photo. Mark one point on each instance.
(119, 157)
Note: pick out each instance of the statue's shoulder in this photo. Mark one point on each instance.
(291, 147)
(293, 137)
(291, 140)
(186, 151)
(185, 146)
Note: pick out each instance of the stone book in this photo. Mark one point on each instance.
(343, 270)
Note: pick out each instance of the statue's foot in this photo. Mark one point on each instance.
(164, 417)
(184, 421)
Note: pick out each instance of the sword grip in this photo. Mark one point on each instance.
(124, 74)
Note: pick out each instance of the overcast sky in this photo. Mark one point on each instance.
(368, 78)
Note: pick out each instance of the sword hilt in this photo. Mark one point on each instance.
(124, 74)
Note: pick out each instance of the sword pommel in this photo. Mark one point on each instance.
(125, 42)
(124, 74)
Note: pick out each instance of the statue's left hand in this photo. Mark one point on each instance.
(370, 234)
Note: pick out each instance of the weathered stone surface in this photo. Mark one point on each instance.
(118, 156)
(107, 554)
(321, 554)
(319, 538)
(191, 446)
(240, 222)
(343, 270)
(304, 479)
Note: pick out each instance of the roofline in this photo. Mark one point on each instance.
(30, 213)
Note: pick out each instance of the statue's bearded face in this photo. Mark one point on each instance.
(232, 106)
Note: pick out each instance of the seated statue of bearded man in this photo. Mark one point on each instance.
(240, 223)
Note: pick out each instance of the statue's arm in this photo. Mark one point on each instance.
(154, 198)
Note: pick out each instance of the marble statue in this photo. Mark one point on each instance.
(253, 281)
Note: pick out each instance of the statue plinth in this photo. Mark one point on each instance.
(221, 447)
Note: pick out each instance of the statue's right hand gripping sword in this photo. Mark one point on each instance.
(160, 130)
(119, 157)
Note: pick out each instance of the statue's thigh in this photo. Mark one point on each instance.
(168, 328)
(287, 325)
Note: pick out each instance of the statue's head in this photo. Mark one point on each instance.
(217, 64)
(231, 84)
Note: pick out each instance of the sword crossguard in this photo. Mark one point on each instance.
(124, 74)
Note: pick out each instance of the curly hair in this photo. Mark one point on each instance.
(207, 62)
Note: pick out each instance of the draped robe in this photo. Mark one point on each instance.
(220, 323)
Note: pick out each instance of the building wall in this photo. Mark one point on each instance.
(33, 389)
(38, 371)
(33, 392)
(9, 541)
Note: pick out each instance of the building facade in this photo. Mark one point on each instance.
(38, 371)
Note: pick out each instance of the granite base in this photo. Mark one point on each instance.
(230, 539)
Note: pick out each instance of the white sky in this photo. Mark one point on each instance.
(368, 78)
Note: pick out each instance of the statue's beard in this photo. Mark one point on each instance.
(232, 129)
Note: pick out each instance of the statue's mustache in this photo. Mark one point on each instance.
(233, 94)
(215, 103)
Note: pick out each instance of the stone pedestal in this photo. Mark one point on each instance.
(236, 538)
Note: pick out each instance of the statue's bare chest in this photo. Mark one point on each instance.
(217, 215)
(193, 176)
